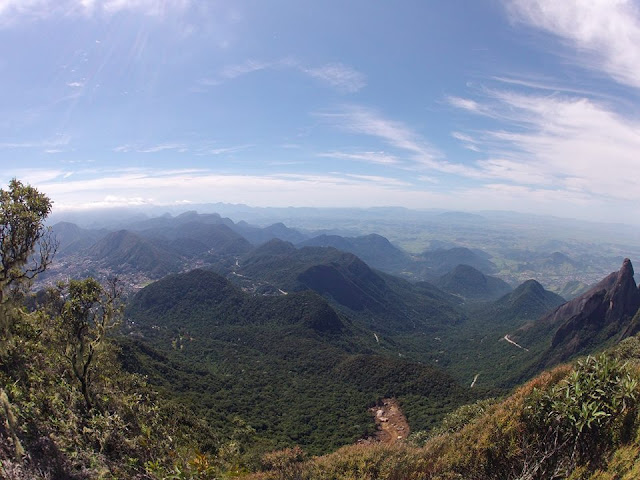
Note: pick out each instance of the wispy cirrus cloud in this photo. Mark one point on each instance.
(230, 72)
(35, 175)
(380, 158)
(606, 33)
(119, 187)
(161, 147)
(148, 7)
(560, 143)
(13, 11)
(339, 76)
(377, 179)
(50, 144)
(222, 150)
(366, 121)
(195, 148)
(130, 187)
(249, 66)
(464, 103)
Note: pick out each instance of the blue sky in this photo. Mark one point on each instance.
(527, 105)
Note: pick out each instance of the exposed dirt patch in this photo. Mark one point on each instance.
(392, 426)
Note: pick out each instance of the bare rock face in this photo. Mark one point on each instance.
(606, 312)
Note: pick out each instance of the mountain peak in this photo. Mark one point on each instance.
(602, 313)
(529, 287)
(627, 268)
(624, 298)
(470, 283)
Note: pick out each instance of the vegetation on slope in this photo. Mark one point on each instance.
(235, 354)
(67, 409)
(576, 422)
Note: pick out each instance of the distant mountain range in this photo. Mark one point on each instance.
(387, 302)
(459, 300)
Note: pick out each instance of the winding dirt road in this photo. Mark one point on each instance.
(506, 337)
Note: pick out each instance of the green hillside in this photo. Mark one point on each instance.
(255, 354)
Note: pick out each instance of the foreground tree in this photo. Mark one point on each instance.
(26, 245)
(86, 312)
(22, 213)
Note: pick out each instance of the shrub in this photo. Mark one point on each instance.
(577, 420)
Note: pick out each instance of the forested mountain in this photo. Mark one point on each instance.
(151, 248)
(373, 249)
(471, 284)
(258, 236)
(256, 353)
(440, 262)
(158, 226)
(572, 289)
(529, 301)
(71, 238)
(379, 300)
(125, 252)
(214, 239)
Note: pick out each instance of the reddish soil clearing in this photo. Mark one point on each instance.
(392, 426)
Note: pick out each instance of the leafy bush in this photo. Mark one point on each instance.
(576, 421)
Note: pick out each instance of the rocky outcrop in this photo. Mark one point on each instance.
(587, 322)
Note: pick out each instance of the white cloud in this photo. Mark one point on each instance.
(234, 71)
(365, 121)
(223, 150)
(417, 153)
(464, 103)
(12, 11)
(131, 187)
(463, 137)
(564, 143)
(377, 179)
(197, 148)
(163, 147)
(606, 33)
(148, 7)
(111, 201)
(380, 158)
(31, 175)
(49, 144)
(336, 75)
(342, 77)
(179, 147)
(427, 178)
